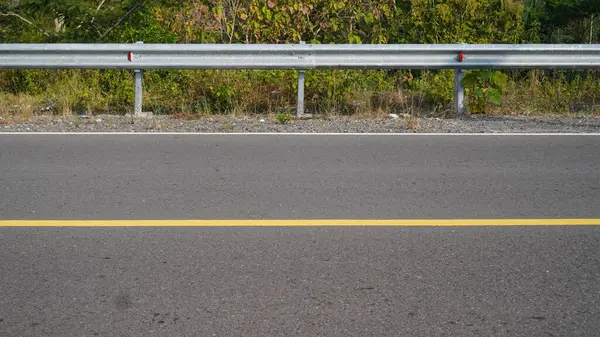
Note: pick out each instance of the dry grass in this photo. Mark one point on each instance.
(18, 108)
(70, 97)
(368, 104)
(75, 92)
(413, 103)
(155, 126)
(541, 95)
(412, 123)
(72, 94)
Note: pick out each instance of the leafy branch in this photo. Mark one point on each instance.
(25, 20)
(120, 21)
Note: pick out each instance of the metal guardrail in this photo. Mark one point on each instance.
(301, 57)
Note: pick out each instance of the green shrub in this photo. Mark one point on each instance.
(484, 87)
(284, 118)
(437, 87)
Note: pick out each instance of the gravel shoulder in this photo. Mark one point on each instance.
(472, 124)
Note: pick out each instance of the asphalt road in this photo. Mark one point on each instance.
(298, 177)
(305, 281)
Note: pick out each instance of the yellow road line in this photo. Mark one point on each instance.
(301, 223)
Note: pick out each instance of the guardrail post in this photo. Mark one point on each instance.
(139, 73)
(300, 107)
(459, 92)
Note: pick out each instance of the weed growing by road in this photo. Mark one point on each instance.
(284, 118)
(484, 87)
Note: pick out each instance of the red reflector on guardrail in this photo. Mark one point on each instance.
(130, 57)
(461, 56)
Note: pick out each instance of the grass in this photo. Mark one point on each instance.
(18, 108)
(412, 124)
(227, 127)
(189, 95)
(542, 95)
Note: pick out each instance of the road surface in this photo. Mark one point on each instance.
(298, 177)
(299, 281)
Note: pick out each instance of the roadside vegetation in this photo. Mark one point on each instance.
(368, 93)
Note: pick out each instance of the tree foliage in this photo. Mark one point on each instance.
(564, 21)
(76, 20)
(286, 21)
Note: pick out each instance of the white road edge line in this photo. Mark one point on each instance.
(295, 134)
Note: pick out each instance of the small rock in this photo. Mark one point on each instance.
(98, 120)
(28, 129)
(262, 120)
(393, 116)
(406, 116)
(49, 107)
